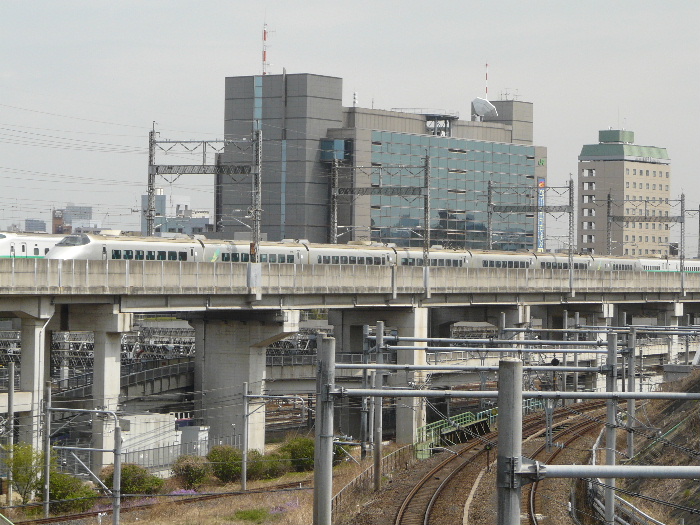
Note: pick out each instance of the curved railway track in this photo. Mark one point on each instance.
(573, 433)
(419, 505)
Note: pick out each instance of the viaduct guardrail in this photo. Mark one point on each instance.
(54, 277)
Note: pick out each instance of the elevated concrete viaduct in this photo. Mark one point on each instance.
(238, 309)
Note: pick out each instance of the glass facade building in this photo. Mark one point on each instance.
(307, 133)
(460, 172)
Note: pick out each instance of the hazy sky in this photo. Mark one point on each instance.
(82, 81)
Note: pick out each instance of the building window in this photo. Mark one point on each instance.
(588, 199)
(627, 171)
(627, 184)
(588, 212)
(634, 172)
(589, 186)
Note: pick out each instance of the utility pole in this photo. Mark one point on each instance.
(426, 212)
(334, 202)
(151, 211)
(489, 217)
(323, 451)
(257, 198)
(608, 237)
(378, 402)
(244, 459)
(47, 446)
(10, 425)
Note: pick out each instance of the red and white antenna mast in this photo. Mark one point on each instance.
(487, 81)
(265, 63)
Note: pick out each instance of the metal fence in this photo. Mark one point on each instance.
(156, 459)
(401, 458)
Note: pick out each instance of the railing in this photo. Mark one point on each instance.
(74, 277)
(156, 459)
(131, 373)
(292, 359)
(401, 458)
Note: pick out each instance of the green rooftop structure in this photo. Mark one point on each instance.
(630, 183)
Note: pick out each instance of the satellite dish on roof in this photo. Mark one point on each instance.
(483, 108)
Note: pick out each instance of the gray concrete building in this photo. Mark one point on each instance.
(307, 133)
(637, 180)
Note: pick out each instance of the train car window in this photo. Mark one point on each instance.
(290, 259)
(116, 254)
(360, 260)
(404, 261)
(377, 261)
(319, 259)
(226, 257)
(36, 250)
(273, 257)
(138, 255)
(235, 257)
(419, 262)
(368, 260)
(263, 257)
(383, 261)
(181, 256)
(433, 262)
(280, 258)
(161, 255)
(172, 255)
(352, 259)
(343, 259)
(150, 255)
(510, 264)
(326, 259)
(46, 250)
(245, 257)
(484, 264)
(128, 254)
(498, 264)
(335, 259)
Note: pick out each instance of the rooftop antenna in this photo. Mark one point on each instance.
(487, 82)
(265, 63)
(481, 107)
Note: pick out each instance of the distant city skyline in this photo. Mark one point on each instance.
(82, 83)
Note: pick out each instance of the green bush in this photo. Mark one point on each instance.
(193, 470)
(226, 462)
(301, 453)
(256, 465)
(135, 480)
(68, 493)
(276, 465)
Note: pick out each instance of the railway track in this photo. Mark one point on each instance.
(572, 433)
(183, 501)
(428, 499)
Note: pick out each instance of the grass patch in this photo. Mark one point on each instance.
(252, 515)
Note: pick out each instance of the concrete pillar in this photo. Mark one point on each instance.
(107, 324)
(671, 316)
(34, 372)
(229, 353)
(409, 322)
(410, 411)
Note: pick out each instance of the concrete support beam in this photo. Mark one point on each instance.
(408, 322)
(107, 323)
(34, 372)
(229, 353)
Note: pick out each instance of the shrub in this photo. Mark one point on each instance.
(135, 480)
(193, 470)
(69, 494)
(27, 465)
(301, 453)
(226, 462)
(276, 465)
